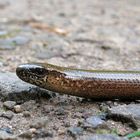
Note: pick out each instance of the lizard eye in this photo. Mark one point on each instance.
(30, 69)
(39, 71)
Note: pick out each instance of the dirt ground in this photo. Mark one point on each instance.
(81, 34)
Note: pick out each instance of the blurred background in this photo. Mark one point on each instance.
(84, 34)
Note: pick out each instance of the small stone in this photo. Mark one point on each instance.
(20, 40)
(104, 47)
(32, 130)
(95, 122)
(67, 124)
(11, 43)
(8, 114)
(73, 131)
(7, 129)
(26, 135)
(28, 105)
(39, 122)
(60, 111)
(48, 108)
(43, 133)
(26, 114)
(18, 109)
(61, 132)
(77, 115)
(129, 113)
(6, 136)
(9, 104)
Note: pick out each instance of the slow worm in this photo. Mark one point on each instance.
(96, 84)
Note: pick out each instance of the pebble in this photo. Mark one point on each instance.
(105, 47)
(18, 109)
(66, 124)
(73, 131)
(39, 122)
(29, 105)
(60, 111)
(94, 122)
(48, 108)
(26, 135)
(11, 43)
(32, 130)
(7, 129)
(9, 104)
(26, 114)
(19, 40)
(8, 114)
(101, 137)
(6, 136)
(43, 133)
(129, 113)
(14, 89)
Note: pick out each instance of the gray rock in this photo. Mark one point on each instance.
(11, 43)
(19, 40)
(74, 131)
(9, 104)
(12, 88)
(26, 114)
(101, 137)
(8, 114)
(95, 122)
(6, 136)
(7, 130)
(29, 105)
(43, 133)
(26, 135)
(60, 112)
(40, 133)
(39, 122)
(129, 113)
(18, 109)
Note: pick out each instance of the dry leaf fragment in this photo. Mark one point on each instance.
(43, 26)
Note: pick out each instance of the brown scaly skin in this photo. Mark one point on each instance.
(83, 83)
